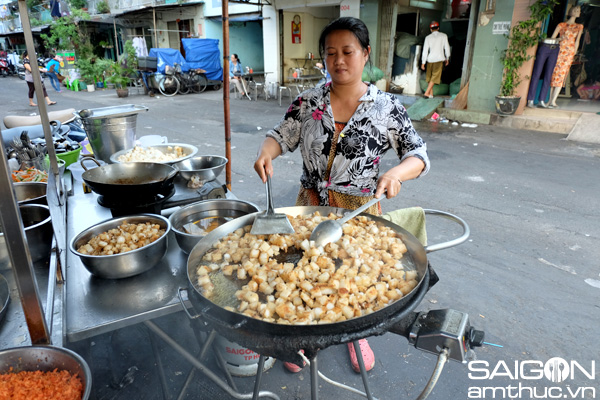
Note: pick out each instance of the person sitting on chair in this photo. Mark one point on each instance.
(235, 76)
(589, 90)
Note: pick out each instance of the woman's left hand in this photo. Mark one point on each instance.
(389, 185)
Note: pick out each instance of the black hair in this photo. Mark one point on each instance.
(237, 58)
(24, 54)
(354, 25)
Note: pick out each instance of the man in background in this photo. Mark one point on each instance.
(436, 54)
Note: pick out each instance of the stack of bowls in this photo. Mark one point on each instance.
(205, 168)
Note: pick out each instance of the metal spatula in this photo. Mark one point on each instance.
(269, 222)
(331, 231)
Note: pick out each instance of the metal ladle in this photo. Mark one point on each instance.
(331, 231)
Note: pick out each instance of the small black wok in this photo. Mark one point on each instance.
(271, 339)
(131, 180)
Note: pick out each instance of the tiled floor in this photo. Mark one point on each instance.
(576, 104)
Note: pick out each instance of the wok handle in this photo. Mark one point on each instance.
(453, 242)
(213, 320)
(190, 316)
(88, 158)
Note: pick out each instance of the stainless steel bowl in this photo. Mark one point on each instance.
(46, 359)
(225, 208)
(38, 231)
(206, 168)
(31, 192)
(188, 151)
(127, 264)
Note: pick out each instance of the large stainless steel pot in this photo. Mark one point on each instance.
(30, 192)
(46, 359)
(38, 231)
(131, 180)
(280, 340)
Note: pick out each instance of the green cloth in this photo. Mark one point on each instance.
(412, 219)
(371, 73)
(455, 87)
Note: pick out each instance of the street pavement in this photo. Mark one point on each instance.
(529, 274)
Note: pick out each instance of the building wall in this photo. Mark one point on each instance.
(295, 53)
(486, 71)
(369, 14)
(271, 45)
(245, 38)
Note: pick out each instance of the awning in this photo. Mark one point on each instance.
(239, 18)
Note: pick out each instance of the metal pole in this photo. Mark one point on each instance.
(226, 108)
(11, 217)
(16, 243)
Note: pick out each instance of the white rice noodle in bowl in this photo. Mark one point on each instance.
(165, 154)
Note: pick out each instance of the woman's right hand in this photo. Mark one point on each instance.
(269, 150)
(263, 166)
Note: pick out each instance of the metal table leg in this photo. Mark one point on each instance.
(159, 365)
(201, 367)
(259, 374)
(314, 379)
(363, 370)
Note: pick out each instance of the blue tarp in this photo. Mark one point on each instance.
(205, 54)
(166, 57)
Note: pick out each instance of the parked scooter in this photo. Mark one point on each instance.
(4, 67)
(20, 70)
(41, 65)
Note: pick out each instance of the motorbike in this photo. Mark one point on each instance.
(4, 67)
(41, 64)
(20, 70)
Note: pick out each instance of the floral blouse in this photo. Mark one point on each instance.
(379, 123)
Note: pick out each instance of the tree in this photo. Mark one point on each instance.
(69, 32)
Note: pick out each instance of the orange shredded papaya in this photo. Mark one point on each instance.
(38, 385)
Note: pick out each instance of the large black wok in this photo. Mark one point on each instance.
(283, 341)
(131, 180)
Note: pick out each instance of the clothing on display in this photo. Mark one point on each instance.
(568, 34)
(545, 61)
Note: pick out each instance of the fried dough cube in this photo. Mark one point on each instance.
(285, 310)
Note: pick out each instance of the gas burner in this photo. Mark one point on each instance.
(121, 207)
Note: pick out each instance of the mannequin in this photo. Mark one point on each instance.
(569, 33)
(545, 60)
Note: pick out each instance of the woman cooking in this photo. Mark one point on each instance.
(343, 129)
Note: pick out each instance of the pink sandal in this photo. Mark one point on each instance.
(294, 368)
(367, 354)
